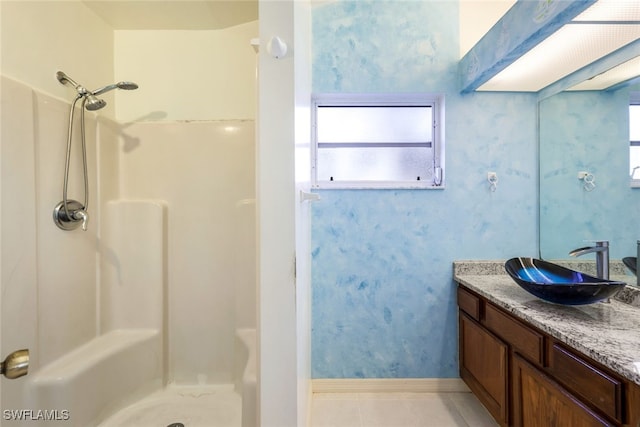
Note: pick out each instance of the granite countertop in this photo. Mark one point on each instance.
(607, 332)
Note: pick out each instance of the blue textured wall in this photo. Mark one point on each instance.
(383, 295)
(587, 131)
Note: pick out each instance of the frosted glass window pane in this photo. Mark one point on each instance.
(378, 140)
(374, 164)
(634, 137)
(634, 122)
(374, 124)
(634, 162)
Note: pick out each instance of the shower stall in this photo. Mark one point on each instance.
(154, 307)
(124, 318)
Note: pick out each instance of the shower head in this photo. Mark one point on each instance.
(120, 85)
(93, 103)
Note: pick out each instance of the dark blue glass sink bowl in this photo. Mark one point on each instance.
(559, 285)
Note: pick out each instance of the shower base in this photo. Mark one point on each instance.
(193, 406)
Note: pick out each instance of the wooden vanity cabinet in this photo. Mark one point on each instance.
(485, 372)
(526, 378)
(539, 401)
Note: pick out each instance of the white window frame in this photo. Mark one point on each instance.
(436, 101)
(634, 99)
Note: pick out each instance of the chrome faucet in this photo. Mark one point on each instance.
(602, 257)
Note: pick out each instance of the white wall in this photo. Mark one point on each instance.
(18, 243)
(302, 81)
(201, 170)
(49, 275)
(283, 325)
(187, 75)
(42, 267)
(35, 47)
(193, 146)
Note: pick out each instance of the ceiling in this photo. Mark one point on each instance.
(476, 19)
(477, 16)
(534, 70)
(587, 47)
(174, 14)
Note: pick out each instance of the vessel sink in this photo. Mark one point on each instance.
(558, 284)
(631, 262)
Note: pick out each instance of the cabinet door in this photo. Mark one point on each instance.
(541, 402)
(483, 366)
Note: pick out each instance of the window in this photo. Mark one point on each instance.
(378, 141)
(634, 139)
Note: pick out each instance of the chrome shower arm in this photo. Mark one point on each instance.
(64, 79)
(104, 89)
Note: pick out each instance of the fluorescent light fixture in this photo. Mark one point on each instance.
(612, 10)
(621, 73)
(600, 30)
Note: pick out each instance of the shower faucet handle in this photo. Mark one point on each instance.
(70, 215)
(82, 215)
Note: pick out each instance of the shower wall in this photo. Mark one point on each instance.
(188, 75)
(193, 146)
(204, 171)
(49, 276)
(42, 37)
(186, 137)
(48, 293)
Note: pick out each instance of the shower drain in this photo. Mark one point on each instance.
(176, 425)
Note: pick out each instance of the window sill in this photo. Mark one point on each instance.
(377, 185)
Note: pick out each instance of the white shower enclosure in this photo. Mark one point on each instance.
(155, 291)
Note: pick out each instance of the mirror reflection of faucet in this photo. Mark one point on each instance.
(631, 262)
(492, 177)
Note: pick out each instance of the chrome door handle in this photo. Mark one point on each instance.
(15, 365)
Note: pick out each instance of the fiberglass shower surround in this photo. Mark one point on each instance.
(70, 214)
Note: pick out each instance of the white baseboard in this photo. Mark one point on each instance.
(389, 385)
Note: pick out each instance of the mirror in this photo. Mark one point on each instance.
(585, 191)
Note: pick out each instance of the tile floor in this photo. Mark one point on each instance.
(398, 410)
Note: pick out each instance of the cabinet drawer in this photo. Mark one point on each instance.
(596, 386)
(469, 303)
(525, 340)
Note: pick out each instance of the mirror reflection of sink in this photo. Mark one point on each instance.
(557, 284)
(630, 262)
